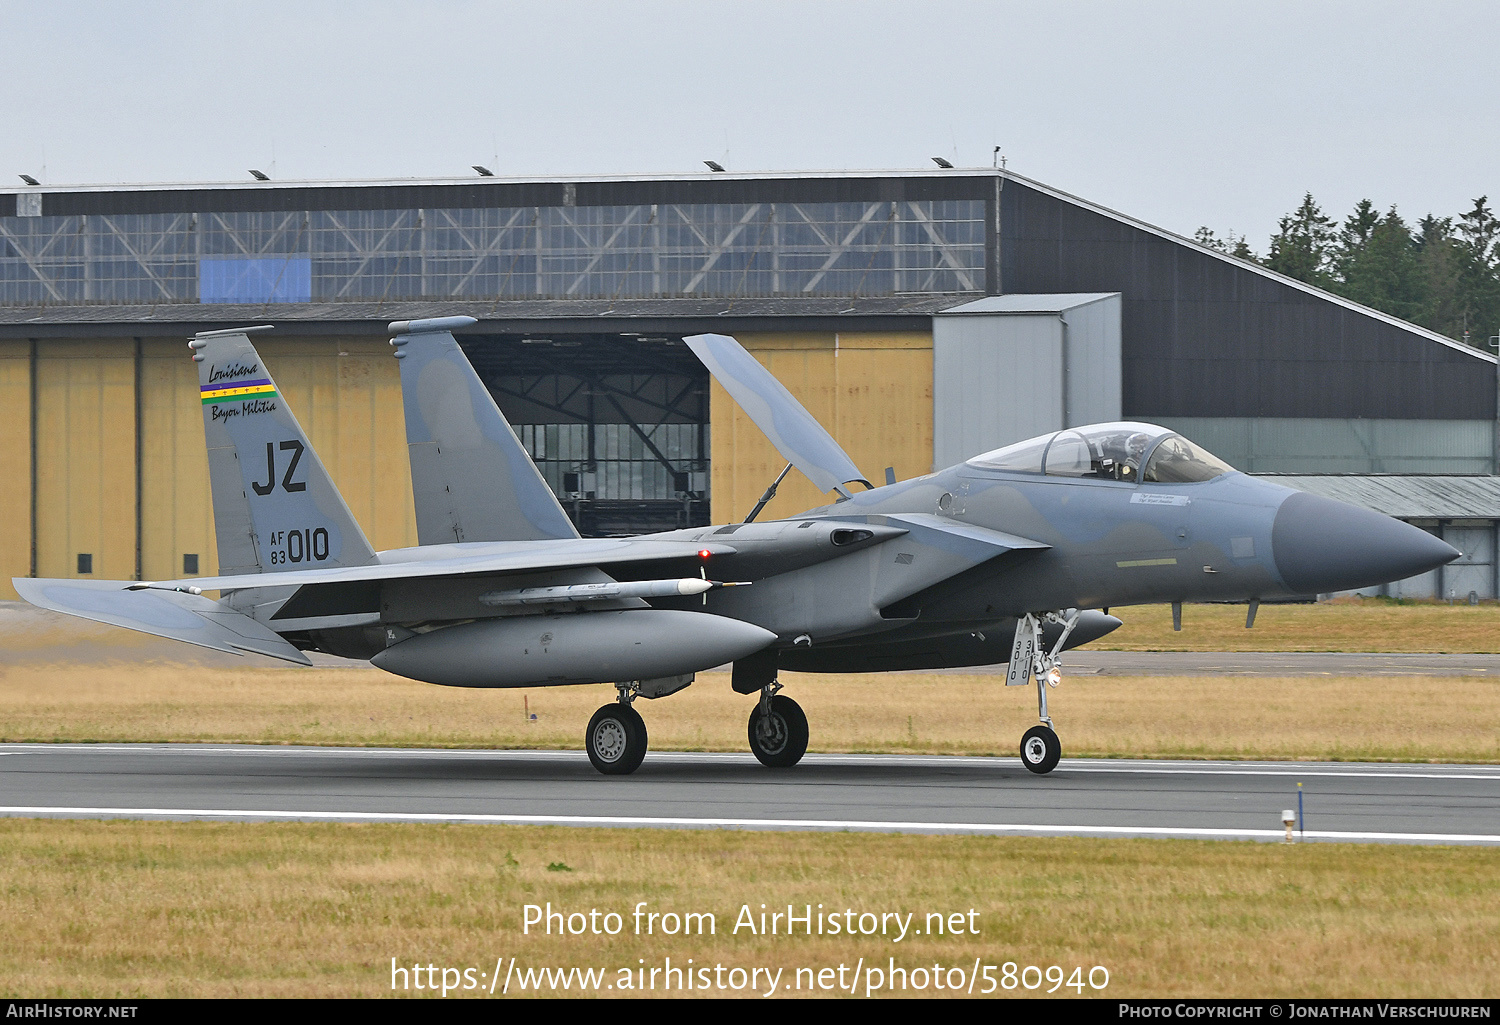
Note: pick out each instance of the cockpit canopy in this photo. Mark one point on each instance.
(1130, 452)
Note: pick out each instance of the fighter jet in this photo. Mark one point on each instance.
(1013, 556)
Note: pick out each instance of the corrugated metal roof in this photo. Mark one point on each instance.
(1405, 496)
(1022, 303)
(251, 185)
(17, 320)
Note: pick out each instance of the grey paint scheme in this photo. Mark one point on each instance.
(637, 644)
(471, 478)
(488, 558)
(266, 477)
(799, 437)
(175, 614)
(925, 572)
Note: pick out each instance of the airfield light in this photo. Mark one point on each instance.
(1289, 819)
(941, 162)
(29, 180)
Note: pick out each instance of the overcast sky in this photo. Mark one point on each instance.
(1180, 113)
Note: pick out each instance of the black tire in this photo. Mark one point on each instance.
(1040, 750)
(616, 740)
(779, 740)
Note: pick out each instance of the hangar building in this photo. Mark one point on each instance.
(923, 316)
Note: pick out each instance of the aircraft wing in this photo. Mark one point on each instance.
(182, 617)
(799, 437)
(488, 558)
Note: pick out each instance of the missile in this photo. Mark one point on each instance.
(582, 647)
(605, 591)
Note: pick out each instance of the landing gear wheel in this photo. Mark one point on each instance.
(1040, 750)
(778, 740)
(616, 740)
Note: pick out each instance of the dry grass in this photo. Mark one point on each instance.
(1416, 718)
(209, 909)
(205, 909)
(1343, 625)
(68, 680)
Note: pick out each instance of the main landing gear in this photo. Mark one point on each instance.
(778, 729)
(1040, 748)
(616, 738)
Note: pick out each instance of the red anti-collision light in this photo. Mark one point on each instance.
(704, 553)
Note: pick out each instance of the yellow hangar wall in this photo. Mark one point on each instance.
(85, 399)
(872, 392)
(15, 462)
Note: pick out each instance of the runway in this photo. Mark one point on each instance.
(1348, 802)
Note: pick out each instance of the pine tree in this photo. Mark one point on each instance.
(1234, 245)
(1205, 236)
(1437, 270)
(1354, 238)
(1479, 284)
(1378, 263)
(1303, 246)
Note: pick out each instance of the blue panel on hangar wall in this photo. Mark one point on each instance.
(262, 279)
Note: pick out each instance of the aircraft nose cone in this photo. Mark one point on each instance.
(1321, 545)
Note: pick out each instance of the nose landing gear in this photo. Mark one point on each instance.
(1040, 748)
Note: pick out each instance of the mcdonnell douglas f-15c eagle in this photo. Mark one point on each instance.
(1011, 556)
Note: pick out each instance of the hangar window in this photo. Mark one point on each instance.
(1178, 461)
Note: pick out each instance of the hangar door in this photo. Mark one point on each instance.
(617, 424)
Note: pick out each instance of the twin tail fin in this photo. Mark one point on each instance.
(471, 478)
(275, 507)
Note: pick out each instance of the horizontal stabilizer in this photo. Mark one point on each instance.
(799, 437)
(173, 614)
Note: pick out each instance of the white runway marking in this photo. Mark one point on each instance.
(862, 825)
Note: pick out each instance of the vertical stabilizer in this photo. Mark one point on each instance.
(471, 478)
(275, 507)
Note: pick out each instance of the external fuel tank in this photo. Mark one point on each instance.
(581, 647)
